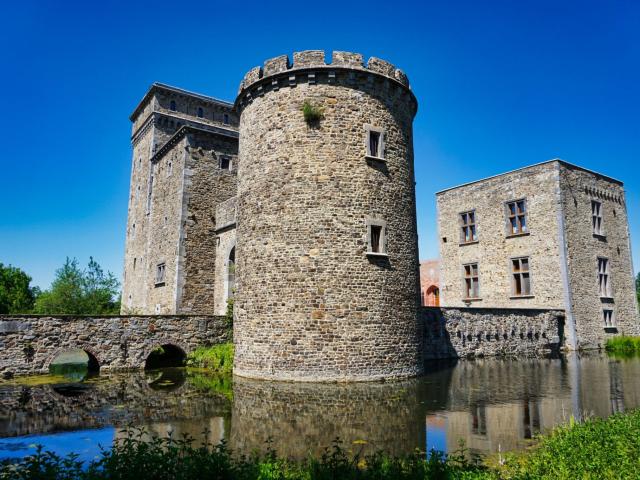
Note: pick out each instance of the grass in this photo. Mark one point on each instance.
(312, 114)
(624, 346)
(596, 449)
(217, 358)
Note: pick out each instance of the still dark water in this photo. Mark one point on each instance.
(491, 404)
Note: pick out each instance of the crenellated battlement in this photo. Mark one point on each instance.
(308, 61)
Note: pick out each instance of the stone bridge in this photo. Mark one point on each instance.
(29, 343)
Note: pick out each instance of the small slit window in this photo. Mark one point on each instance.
(376, 241)
(172, 106)
(520, 277)
(471, 281)
(517, 217)
(169, 169)
(596, 217)
(225, 163)
(160, 274)
(468, 233)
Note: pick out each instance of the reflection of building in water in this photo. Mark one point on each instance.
(499, 405)
(210, 430)
(305, 418)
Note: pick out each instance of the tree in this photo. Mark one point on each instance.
(16, 296)
(80, 292)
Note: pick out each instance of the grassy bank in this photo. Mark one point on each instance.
(623, 345)
(217, 358)
(595, 449)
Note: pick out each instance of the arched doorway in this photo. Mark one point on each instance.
(432, 296)
(165, 356)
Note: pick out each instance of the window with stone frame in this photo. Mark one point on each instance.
(471, 281)
(375, 142)
(225, 163)
(160, 274)
(172, 106)
(520, 277)
(225, 119)
(468, 229)
(604, 280)
(200, 112)
(596, 217)
(517, 217)
(608, 318)
(376, 237)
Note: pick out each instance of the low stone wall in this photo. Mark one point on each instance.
(483, 332)
(29, 343)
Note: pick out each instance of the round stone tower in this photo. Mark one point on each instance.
(327, 257)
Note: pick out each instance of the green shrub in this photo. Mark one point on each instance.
(312, 114)
(623, 345)
(217, 358)
(597, 448)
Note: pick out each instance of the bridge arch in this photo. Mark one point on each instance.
(93, 364)
(174, 354)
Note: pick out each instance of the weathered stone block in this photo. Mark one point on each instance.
(308, 58)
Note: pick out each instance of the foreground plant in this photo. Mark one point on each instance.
(596, 449)
(164, 458)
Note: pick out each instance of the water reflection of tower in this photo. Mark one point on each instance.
(303, 418)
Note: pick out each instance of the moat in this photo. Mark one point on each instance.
(492, 405)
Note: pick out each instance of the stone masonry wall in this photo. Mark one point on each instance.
(484, 332)
(206, 186)
(578, 189)
(494, 247)
(226, 235)
(175, 185)
(28, 344)
(310, 303)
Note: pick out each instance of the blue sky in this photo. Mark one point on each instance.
(501, 84)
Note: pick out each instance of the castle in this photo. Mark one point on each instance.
(298, 201)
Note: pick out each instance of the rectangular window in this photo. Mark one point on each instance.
(376, 242)
(160, 273)
(376, 237)
(469, 233)
(608, 318)
(225, 163)
(604, 282)
(471, 281)
(375, 142)
(520, 277)
(517, 217)
(225, 119)
(169, 169)
(596, 217)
